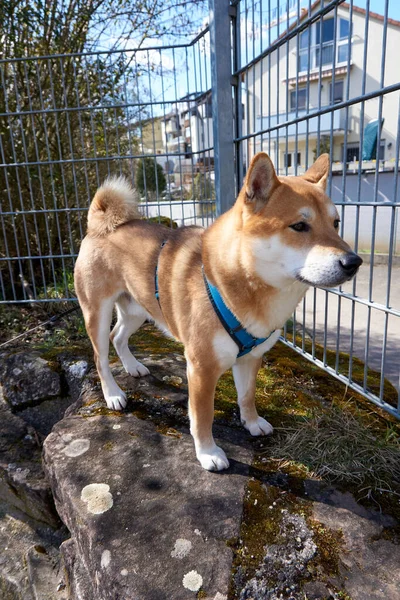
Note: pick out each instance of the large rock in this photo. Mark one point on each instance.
(22, 481)
(27, 378)
(30, 566)
(147, 522)
(371, 552)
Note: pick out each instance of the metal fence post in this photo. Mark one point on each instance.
(222, 103)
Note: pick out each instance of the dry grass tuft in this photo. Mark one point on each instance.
(336, 446)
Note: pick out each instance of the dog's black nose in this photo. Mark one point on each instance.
(350, 263)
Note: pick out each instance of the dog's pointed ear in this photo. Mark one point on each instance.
(318, 172)
(261, 181)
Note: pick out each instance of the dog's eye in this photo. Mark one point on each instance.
(336, 223)
(300, 226)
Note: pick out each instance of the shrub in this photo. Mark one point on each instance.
(150, 178)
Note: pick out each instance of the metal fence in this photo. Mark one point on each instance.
(313, 78)
(67, 122)
(291, 78)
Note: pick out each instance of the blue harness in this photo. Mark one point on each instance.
(242, 338)
(157, 293)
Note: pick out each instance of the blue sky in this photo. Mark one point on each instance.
(378, 6)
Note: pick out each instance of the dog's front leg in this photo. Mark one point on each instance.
(202, 382)
(245, 374)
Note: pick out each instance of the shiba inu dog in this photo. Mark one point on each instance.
(251, 267)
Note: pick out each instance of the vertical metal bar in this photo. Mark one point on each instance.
(222, 103)
(375, 197)
(165, 128)
(178, 116)
(130, 117)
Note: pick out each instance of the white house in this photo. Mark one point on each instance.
(188, 130)
(314, 70)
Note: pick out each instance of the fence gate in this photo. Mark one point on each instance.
(291, 78)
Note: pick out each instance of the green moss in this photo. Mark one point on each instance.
(103, 411)
(358, 370)
(108, 446)
(260, 526)
(329, 543)
(225, 397)
(79, 350)
(166, 221)
(150, 340)
(392, 534)
(262, 515)
(343, 595)
(169, 431)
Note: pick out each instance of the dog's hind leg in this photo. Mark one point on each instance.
(130, 316)
(245, 374)
(98, 321)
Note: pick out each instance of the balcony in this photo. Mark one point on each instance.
(316, 125)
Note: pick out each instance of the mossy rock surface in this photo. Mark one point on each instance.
(289, 487)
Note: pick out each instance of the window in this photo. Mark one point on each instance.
(325, 33)
(344, 29)
(289, 159)
(325, 29)
(352, 152)
(319, 42)
(343, 53)
(188, 150)
(303, 50)
(298, 99)
(336, 92)
(208, 108)
(382, 146)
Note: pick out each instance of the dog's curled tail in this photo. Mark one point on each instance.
(114, 204)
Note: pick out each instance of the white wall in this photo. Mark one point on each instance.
(366, 215)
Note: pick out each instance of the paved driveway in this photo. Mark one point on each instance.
(377, 321)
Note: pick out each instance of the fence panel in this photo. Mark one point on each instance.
(69, 121)
(317, 78)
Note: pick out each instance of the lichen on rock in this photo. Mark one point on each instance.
(77, 447)
(98, 497)
(192, 581)
(182, 548)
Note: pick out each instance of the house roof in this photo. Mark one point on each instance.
(356, 9)
(372, 15)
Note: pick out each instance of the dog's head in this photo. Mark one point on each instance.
(292, 227)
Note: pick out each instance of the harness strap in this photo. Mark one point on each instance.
(156, 290)
(242, 338)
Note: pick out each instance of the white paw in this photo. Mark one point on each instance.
(136, 369)
(258, 427)
(213, 460)
(117, 402)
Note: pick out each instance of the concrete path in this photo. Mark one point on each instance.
(329, 303)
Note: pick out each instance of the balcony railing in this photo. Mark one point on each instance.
(316, 125)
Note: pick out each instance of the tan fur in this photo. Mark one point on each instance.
(117, 261)
(114, 204)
